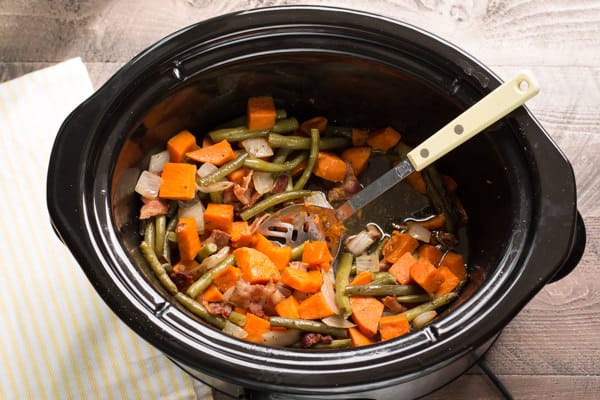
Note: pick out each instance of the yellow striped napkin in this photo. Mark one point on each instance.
(58, 340)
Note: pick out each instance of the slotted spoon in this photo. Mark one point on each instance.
(293, 225)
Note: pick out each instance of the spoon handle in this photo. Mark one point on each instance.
(497, 104)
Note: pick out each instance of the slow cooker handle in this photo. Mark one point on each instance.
(577, 249)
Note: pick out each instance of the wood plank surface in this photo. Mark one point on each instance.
(552, 348)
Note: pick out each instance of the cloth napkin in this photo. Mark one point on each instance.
(58, 340)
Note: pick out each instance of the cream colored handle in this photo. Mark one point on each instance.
(497, 104)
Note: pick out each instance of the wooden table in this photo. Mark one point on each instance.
(552, 348)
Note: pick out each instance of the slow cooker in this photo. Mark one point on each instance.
(360, 70)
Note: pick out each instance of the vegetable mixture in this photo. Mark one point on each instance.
(203, 203)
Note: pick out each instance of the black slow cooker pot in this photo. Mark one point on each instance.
(358, 70)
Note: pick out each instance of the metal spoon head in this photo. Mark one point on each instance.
(299, 223)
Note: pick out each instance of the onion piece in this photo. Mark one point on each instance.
(215, 187)
(327, 290)
(232, 329)
(195, 211)
(206, 169)
(257, 147)
(359, 243)
(318, 199)
(148, 185)
(367, 262)
(158, 161)
(214, 260)
(263, 181)
(280, 338)
(337, 321)
(424, 318)
(419, 232)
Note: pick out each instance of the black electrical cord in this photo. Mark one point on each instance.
(495, 380)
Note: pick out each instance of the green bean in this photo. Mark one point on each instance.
(216, 197)
(223, 171)
(382, 278)
(334, 130)
(206, 250)
(380, 246)
(149, 234)
(335, 344)
(158, 268)
(297, 252)
(166, 250)
(285, 125)
(430, 305)
(237, 318)
(414, 298)
(201, 311)
(273, 201)
(280, 113)
(303, 143)
(309, 326)
(206, 279)
(381, 290)
(236, 134)
(171, 237)
(266, 166)
(312, 159)
(280, 155)
(160, 227)
(437, 193)
(342, 275)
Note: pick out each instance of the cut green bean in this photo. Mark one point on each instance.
(158, 268)
(334, 130)
(160, 228)
(335, 344)
(297, 252)
(414, 298)
(171, 237)
(285, 125)
(437, 193)
(236, 134)
(205, 251)
(381, 290)
(382, 278)
(223, 171)
(303, 143)
(309, 326)
(430, 305)
(380, 246)
(216, 197)
(201, 311)
(206, 279)
(149, 234)
(281, 155)
(266, 166)
(342, 276)
(312, 159)
(166, 250)
(273, 201)
(237, 318)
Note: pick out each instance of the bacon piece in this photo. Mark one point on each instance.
(219, 237)
(393, 304)
(152, 208)
(309, 339)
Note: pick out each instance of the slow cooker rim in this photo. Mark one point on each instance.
(137, 63)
